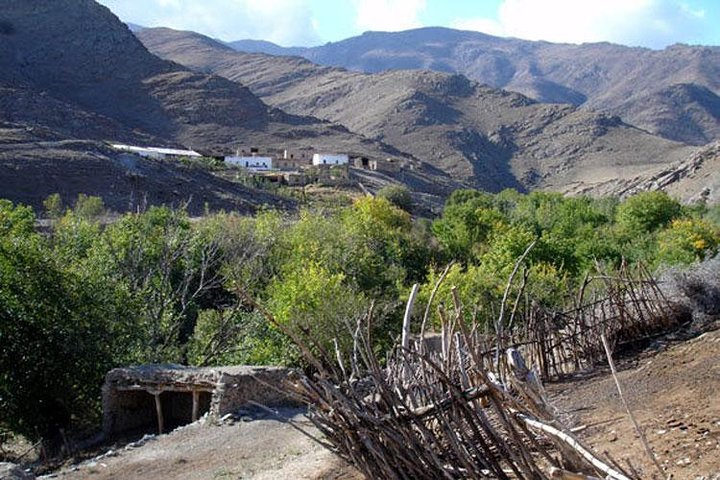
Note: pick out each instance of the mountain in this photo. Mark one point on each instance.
(492, 139)
(72, 68)
(262, 46)
(625, 81)
(693, 179)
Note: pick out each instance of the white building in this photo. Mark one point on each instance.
(155, 152)
(251, 163)
(330, 159)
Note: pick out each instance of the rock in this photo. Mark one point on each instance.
(10, 471)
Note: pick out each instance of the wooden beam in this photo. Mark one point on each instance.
(164, 388)
(196, 405)
(158, 410)
(534, 423)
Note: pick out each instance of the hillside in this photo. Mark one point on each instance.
(615, 79)
(35, 163)
(490, 138)
(71, 67)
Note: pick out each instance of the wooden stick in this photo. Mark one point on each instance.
(196, 405)
(639, 431)
(574, 444)
(432, 297)
(408, 314)
(565, 475)
(158, 410)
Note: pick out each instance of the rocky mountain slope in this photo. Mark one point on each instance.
(490, 138)
(36, 162)
(638, 84)
(71, 67)
(78, 53)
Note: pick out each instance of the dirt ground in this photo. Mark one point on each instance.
(256, 446)
(672, 388)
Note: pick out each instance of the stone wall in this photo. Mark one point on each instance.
(129, 394)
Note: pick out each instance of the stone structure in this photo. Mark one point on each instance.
(391, 165)
(161, 397)
(251, 163)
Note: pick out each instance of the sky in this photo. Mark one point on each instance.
(647, 23)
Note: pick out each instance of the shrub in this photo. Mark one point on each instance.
(398, 195)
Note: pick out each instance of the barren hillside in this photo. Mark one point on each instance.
(625, 81)
(491, 138)
(71, 67)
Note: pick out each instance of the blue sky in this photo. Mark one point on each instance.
(649, 23)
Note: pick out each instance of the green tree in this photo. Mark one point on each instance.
(54, 334)
(89, 207)
(687, 241)
(647, 212)
(317, 305)
(53, 205)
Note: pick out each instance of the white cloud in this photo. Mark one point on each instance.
(388, 15)
(652, 23)
(287, 22)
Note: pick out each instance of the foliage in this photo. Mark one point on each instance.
(54, 332)
(398, 195)
(647, 212)
(158, 286)
(53, 205)
(89, 206)
(688, 240)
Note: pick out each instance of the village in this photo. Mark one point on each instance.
(286, 167)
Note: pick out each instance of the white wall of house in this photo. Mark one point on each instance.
(251, 163)
(330, 159)
(156, 152)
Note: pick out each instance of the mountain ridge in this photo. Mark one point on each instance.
(600, 76)
(492, 138)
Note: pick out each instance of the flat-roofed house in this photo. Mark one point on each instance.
(157, 153)
(330, 159)
(251, 163)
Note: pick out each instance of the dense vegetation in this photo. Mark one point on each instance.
(157, 286)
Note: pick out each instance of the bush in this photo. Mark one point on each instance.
(55, 336)
(647, 212)
(398, 195)
(687, 241)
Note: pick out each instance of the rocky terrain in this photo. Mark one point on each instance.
(492, 139)
(657, 90)
(693, 179)
(37, 163)
(70, 67)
